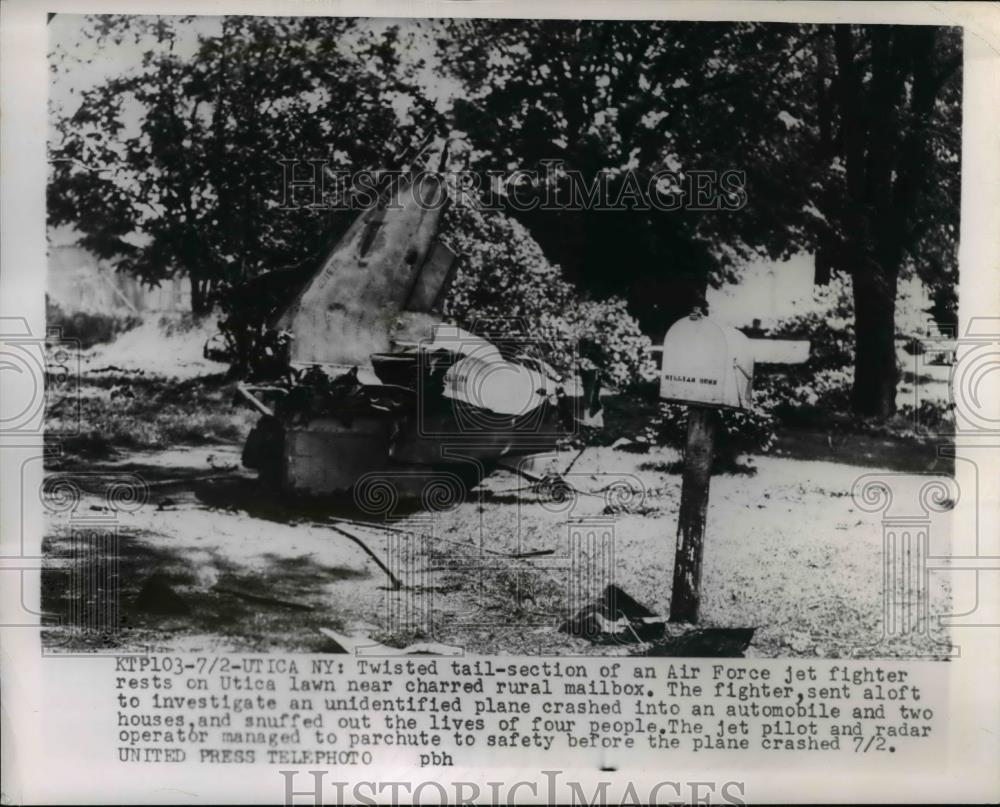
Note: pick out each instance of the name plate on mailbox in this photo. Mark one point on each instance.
(706, 363)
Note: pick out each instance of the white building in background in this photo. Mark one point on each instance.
(78, 281)
(772, 291)
(767, 291)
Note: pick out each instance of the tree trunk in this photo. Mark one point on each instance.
(871, 239)
(875, 373)
(201, 303)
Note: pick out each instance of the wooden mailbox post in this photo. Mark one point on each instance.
(707, 366)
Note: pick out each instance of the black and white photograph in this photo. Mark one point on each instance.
(499, 403)
(548, 337)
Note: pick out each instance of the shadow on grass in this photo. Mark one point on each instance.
(115, 411)
(260, 500)
(876, 451)
(128, 592)
(721, 466)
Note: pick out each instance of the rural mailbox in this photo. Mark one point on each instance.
(707, 364)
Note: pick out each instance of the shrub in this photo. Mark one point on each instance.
(796, 395)
(930, 417)
(830, 329)
(739, 431)
(88, 329)
(818, 392)
(505, 287)
(822, 384)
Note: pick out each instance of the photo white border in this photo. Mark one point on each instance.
(969, 770)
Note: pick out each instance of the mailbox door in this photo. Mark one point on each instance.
(706, 363)
(739, 392)
(694, 363)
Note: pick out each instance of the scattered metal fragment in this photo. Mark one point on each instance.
(538, 553)
(400, 531)
(703, 643)
(183, 480)
(396, 582)
(616, 618)
(363, 646)
(245, 595)
(364, 380)
(247, 394)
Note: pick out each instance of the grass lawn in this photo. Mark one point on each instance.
(224, 563)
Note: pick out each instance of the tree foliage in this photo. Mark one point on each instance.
(506, 288)
(846, 139)
(848, 136)
(616, 99)
(173, 165)
(888, 157)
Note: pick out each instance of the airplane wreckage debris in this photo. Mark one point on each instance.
(364, 389)
(367, 390)
(363, 646)
(615, 618)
